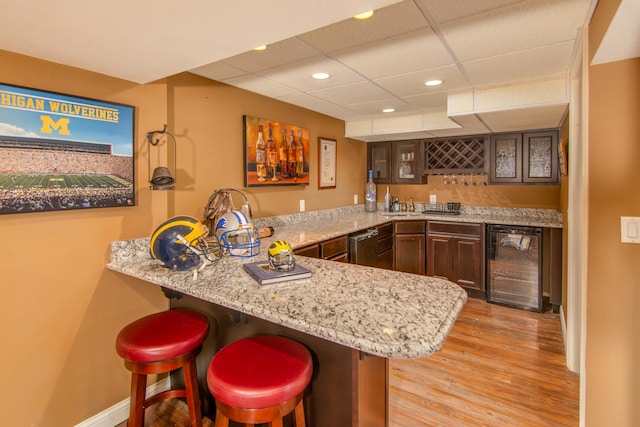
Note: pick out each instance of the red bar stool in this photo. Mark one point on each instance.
(159, 343)
(260, 380)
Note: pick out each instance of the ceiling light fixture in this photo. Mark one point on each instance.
(365, 15)
(433, 82)
(263, 47)
(388, 110)
(320, 76)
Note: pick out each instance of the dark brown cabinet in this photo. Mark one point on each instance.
(333, 250)
(396, 162)
(312, 251)
(455, 252)
(409, 246)
(385, 246)
(529, 157)
(379, 161)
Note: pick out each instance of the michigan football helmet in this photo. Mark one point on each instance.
(237, 235)
(281, 256)
(180, 243)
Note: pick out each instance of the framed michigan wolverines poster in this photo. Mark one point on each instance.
(61, 152)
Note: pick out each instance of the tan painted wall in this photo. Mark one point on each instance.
(612, 371)
(62, 309)
(209, 115)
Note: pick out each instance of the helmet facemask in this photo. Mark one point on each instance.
(237, 235)
(281, 256)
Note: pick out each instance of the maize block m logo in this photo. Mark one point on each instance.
(49, 126)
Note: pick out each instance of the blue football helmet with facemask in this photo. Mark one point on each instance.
(237, 235)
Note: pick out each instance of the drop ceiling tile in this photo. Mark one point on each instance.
(218, 71)
(276, 55)
(260, 86)
(386, 22)
(411, 84)
(376, 107)
(419, 50)
(522, 26)
(427, 101)
(338, 112)
(352, 94)
(298, 75)
(541, 63)
(306, 101)
(445, 10)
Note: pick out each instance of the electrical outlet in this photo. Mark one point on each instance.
(355, 199)
(432, 199)
(301, 205)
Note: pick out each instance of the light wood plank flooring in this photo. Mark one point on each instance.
(499, 367)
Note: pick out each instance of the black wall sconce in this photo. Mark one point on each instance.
(161, 178)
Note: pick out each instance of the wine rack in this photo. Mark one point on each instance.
(455, 155)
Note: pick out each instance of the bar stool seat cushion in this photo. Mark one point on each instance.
(162, 336)
(259, 372)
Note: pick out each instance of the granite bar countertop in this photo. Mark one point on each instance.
(380, 312)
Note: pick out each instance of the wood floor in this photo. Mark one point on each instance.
(499, 367)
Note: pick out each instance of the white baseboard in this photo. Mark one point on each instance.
(119, 412)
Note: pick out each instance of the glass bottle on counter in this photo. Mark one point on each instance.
(370, 199)
(261, 156)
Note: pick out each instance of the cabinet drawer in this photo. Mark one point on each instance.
(409, 227)
(339, 258)
(312, 251)
(385, 230)
(385, 243)
(466, 229)
(385, 259)
(333, 247)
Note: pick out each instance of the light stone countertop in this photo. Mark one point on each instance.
(302, 229)
(380, 312)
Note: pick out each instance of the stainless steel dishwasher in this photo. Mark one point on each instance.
(363, 248)
(514, 268)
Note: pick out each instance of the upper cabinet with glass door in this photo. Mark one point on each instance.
(395, 162)
(529, 157)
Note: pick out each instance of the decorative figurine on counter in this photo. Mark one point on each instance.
(396, 205)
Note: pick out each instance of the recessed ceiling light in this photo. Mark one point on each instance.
(365, 15)
(320, 76)
(263, 47)
(433, 83)
(388, 110)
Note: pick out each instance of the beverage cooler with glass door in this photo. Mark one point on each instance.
(514, 267)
